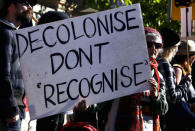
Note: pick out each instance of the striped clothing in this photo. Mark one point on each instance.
(174, 93)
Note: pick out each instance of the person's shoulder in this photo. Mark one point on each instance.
(163, 63)
(177, 66)
(4, 28)
(5, 32)
(5, 24)
(6, 36)
(161, 60)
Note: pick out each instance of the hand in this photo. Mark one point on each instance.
(154, 93)
(153, 88)
(81, 106)
(13, 119)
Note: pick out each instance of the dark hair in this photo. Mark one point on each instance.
(52, 16)
(179, 59)
(170, 37)
(5, 5)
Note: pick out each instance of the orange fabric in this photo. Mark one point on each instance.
(154, 65)
(25, 102)
(156, 120)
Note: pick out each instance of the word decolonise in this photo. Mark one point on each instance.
(114, 22)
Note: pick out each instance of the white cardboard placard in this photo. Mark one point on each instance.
(96, 57)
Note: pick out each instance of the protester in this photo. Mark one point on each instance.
(26, 24)
(54, 122)
(174, 94)
(181, 62)
(139, 111)
(12, 14)
(180, 111)
(171, 42)
(183, 68)
(143, 109)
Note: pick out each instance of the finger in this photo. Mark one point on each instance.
(75, 109)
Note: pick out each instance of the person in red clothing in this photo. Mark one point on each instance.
(141, 111)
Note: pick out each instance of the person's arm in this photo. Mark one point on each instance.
(159, 103)
(178, 73)
(184, 82)
(7, 100)
(173, 94)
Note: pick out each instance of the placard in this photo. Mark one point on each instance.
(96, 57)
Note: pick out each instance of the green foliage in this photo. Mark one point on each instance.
(99, 4)
(154, 12)
(128, 2)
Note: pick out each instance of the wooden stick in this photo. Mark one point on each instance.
(34, 19)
